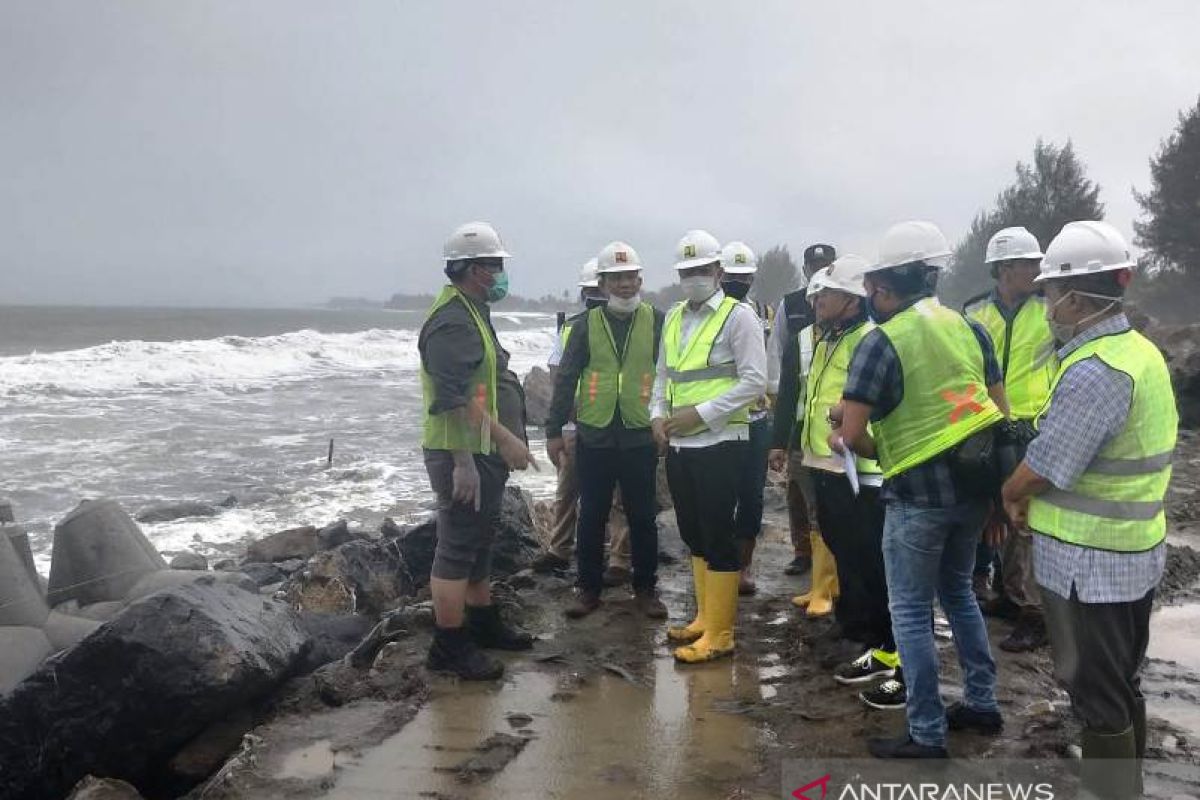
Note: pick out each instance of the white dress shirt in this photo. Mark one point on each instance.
(740, 341)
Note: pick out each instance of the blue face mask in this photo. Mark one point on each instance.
(499, 288)
(872, 312)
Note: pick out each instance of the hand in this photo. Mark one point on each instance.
(836, 414)
(556, 451)
(996, 530)
(836, 443)
(683, 421)
(658, 427)
(1018, 512)
(777, 459)
(515, 453)
(466, 481)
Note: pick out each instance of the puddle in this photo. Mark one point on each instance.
(1175, 636)
(308, 762)
(611, 738)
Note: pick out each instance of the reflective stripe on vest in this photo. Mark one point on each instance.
(1025, 350)
(613, 375)
(1117, 504)
(945, 397)
(448, 431)
(691, 379)
(564, 334)
(830, 368)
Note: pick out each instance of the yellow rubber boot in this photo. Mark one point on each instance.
(824, 579)
(720, 610)
(694, 629)
(817, 547)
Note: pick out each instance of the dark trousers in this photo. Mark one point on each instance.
(704, 483)
(599, 470)
(985, 555)
(852, 528)
(1098, 650)
(747, 520)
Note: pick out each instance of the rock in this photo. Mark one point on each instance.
(129, 696)
(1181, 347)
(539, 389)
(21, 601)
(331, 636)
(189, 561)
(174, 578)
(389, 529)
(416, 546)
(174, 511)
(206, 753)
(291, 566)
(22, 650)
(292, 543)
(333, 535)
(65, 630)
(226, 565)
(93, 788)
(359, 576)
(99, 553)
(263, 574)
(229, 502)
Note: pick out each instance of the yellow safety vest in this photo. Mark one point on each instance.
(615, 375)
(945, 391)
(691, 377)
(564, 333)
(1117, 504)
(446, 431)
(826, 381)
(1025, 349)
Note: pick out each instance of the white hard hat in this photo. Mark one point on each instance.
(846, 275)
(474, 240)
(587, 275)
(817, 282)
(1012, 243)
(915, 240)
(696, 249)
(617, 257)
(1083, 248)
(738, 259)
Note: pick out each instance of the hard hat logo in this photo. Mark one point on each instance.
(689, 251)
(621, 257)
(739, 258)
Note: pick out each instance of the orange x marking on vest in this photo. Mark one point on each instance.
(963, 403)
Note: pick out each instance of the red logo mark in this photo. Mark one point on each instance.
(799, 794)
(963, 403)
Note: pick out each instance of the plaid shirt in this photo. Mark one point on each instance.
(1089, 407)
(876, 379)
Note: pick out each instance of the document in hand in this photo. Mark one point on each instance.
(851, 465)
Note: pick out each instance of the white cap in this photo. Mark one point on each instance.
(617, 257)
(738, 259)
(587, 275)
(846, 275)
(915, 240)
(1012, 243)
(474, 240)
(696, 249)
(1085, 248)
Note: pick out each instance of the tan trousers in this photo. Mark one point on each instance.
(566, 515)
(1016, 562)
(802, 506)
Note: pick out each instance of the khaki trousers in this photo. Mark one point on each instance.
(566, 515)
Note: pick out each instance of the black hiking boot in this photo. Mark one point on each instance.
(548, 563)
(1028, 634)
(488, 630)
(961, 717)
(453, 652)
(904, 747)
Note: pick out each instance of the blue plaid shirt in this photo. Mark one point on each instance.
(1089, 407)
(876, 379)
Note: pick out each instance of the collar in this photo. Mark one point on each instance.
(1005, 310)
(1117, 323)
(836, 330)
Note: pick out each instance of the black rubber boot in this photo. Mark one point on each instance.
(488, 630)
(1106, 770)
(453, 651)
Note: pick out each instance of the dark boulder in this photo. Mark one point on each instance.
(124, 699)
(367, 577)
(189, 561)
(93, 788)
(332, 636)
(333, 535)
(173, 511)
(293, 543)
(262, 574)
(539, 389)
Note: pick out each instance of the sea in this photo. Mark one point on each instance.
(154, 406)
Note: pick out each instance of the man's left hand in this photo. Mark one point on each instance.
(684, 421)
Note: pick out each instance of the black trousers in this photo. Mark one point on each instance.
(599, 470)
(704, 483)
(1098, 649)
(852, 528)
(747, 520)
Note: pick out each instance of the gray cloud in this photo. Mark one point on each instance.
(281, 152)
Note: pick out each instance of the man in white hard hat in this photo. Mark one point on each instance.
(711, 369)
(791, 328)
(1014, 315)
(561, 546)
(474, 433)
(927, 382)
(739, 267)
(606, 375)
(1092, 487)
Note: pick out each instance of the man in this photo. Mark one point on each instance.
(927, 381)
(1091, 487)
(794, 317)
(606, 374)
(851, 518)
(712, 366)
(557, 555)
(739, 267)
(1014, 316)
(474, 433)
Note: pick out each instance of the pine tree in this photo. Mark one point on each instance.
(1171, 234)
(777, 275)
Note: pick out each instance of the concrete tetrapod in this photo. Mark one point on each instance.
(99, 554)
(23, 645)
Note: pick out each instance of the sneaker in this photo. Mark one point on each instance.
(798, 566)
(961, 717)
(863, 669)
(649, 603)
(547, 563)
(585, 603)
(453, 652)
(891, 695)
(616, 576)
(488, 629)
(904, 747)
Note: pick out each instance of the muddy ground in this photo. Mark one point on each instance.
(599, 709)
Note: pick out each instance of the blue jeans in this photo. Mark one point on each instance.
(928, 553)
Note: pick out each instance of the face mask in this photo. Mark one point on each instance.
(499, 288)
(625, 306)
(698, 288)
(594, 302)
(1065, 332)
(736, 289)
(873, 312)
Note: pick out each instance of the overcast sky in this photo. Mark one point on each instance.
(250, 152)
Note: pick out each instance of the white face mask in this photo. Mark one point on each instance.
(698, 288)
(1064, 332)
(625, 306)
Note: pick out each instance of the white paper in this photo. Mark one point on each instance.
(851, 464)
